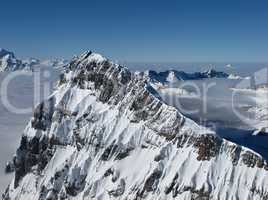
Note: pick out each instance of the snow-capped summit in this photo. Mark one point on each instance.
(90, 56)
(229, 66)
(236, 77)
(171, 78)
(8, 61)
(4, 52)
(105, 134)
(211, 73)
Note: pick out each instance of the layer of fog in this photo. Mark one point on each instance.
(215, 103)
(20, 94)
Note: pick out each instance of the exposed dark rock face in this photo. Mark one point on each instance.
(235, 155)
(62, 79)
(172, 185)
(123, 153)
(36, 151)
(152, 182)
(9, 167)
(208, 146)
(43, 115)
(251, 160)
(195, 194)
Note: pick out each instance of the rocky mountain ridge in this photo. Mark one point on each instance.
(106, 134)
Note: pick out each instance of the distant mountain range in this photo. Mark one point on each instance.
(9, 62)
(173, 76)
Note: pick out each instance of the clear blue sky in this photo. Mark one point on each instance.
(138, 30)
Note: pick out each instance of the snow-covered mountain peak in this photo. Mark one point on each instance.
(211, 73)
(105, 134)
(172, 77)
(89, 56)
(4, 52)
(8, 61)
(97, 65)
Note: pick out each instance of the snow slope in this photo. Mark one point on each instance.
(105, 133)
